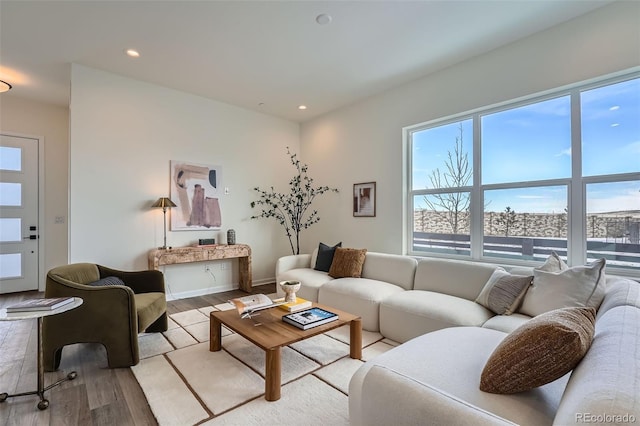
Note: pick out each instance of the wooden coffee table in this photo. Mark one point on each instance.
(272, 334)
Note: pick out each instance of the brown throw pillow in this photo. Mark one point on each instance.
(347, 262)
(540, 351)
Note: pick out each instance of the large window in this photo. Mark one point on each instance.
(559, 173)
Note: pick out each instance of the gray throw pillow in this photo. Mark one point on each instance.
(503, 292)
(107, 281)
(325, 256)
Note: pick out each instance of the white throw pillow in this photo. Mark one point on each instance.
(554, 263)
(580, 286)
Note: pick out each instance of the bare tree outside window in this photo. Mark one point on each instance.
(507, 220)
(458, 174)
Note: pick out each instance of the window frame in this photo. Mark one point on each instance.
(576, 184)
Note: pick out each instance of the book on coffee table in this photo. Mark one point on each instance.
(48, 304)
(248, 305)
(296, 306)
(310, 318)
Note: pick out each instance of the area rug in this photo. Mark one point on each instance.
(186, 384)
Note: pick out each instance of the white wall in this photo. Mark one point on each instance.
(51, 122)
(125, 132)
(363, 142)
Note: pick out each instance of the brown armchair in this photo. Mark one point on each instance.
(112, 315)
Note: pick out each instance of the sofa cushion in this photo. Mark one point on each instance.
(310, 279)
(149, 307)
(506, 323)
(606, 382)
(417, 402)
(577, 286)
(409, 314)
(325, 256)
(449, 361)
(391, 268)
(347, 262)
(453, 277)
(540, 351)
(358, 296)
(503, 292)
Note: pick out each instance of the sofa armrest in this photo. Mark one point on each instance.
(295, 261)
(139, 281)
(413, 402)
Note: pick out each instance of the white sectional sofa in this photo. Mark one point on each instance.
(446, 338)
(399, 296)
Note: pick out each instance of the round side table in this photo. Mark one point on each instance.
(14, 316)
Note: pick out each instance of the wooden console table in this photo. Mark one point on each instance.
(160, 257)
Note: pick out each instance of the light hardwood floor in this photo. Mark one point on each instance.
(99, 395)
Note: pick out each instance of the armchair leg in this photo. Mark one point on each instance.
(159, 325)
(120, 357)
(51, 360)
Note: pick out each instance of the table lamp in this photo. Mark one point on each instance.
(165, 203)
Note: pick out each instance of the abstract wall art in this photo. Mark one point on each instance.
(196, 189)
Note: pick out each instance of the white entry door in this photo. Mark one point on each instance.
(19, 228)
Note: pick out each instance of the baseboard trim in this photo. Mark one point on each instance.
(210, 290)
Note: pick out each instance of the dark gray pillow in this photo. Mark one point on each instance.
(325, 256)
(107, 281)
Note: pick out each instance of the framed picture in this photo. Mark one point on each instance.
(364, 199)
(196, 189)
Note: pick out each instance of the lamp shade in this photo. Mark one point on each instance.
(164, 202)
(4, 86)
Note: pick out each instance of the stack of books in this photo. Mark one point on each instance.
(296, 306)
(39, 304)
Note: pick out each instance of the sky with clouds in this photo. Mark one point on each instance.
(533, 143)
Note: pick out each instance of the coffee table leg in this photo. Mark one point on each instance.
(272, 375)
(355, 339)
(215, 334)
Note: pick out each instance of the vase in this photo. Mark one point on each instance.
(231, 237)
(290, 288)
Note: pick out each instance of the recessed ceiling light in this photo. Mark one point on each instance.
(132, 53)
(323, 19)
(4, 86)
(302, 107)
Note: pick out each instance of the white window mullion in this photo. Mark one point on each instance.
(407, 193)
(477, 199)
(576, 239)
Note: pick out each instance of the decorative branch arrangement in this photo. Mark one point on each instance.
(291, 209)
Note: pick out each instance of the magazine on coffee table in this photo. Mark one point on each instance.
(310, 318)
(248, 305)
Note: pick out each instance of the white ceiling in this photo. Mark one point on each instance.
(268, 56)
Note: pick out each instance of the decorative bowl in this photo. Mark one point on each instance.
(290, 288)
